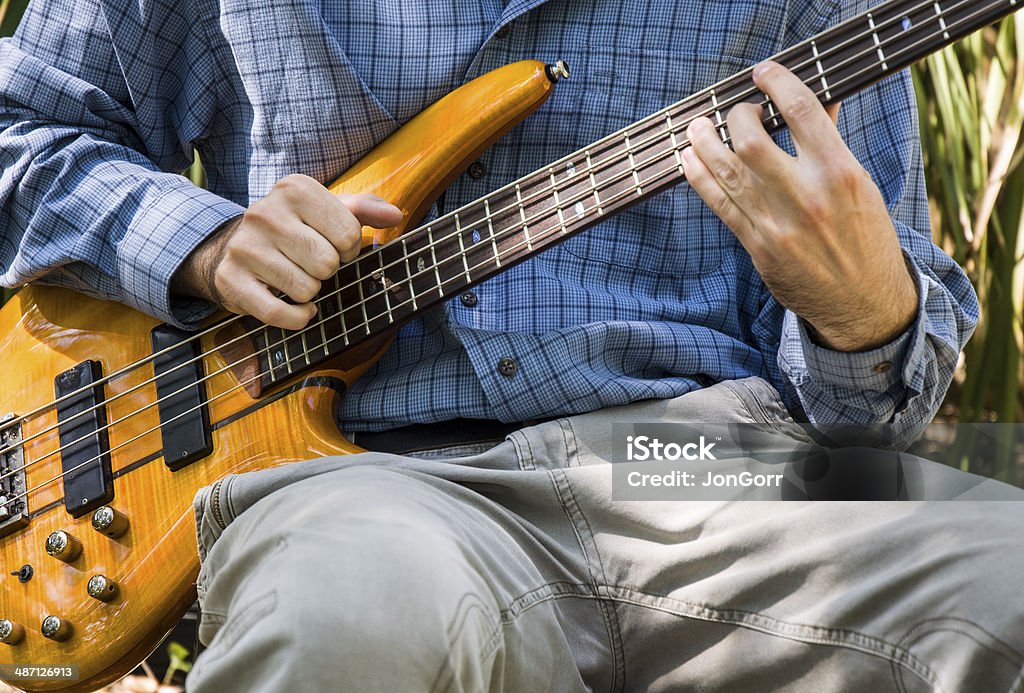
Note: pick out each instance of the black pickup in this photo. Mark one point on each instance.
(85, 454)
(181, 397)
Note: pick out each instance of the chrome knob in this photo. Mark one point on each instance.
(56, 628)
(10, 632)
(101, 587)
(110, 522)
(63, 546)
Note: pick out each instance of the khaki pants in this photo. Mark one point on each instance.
(513, 569)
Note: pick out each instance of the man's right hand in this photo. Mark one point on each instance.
(288, 242)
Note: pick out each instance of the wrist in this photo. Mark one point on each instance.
(195, 276)
(878, 321)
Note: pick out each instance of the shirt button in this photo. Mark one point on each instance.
(507, 367)
(503, 31)
(477, 170)
(468, 299)
(883, 367)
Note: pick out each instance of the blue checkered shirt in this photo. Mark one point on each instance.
(102, 102)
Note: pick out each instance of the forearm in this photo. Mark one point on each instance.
(81, 205)
(886, 395)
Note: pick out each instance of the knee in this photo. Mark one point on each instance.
(378, 589)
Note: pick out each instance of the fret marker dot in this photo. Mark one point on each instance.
(906, 24)
(420, 265)
(579, 209)
(476, 236)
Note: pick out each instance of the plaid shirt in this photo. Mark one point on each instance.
(102, 101)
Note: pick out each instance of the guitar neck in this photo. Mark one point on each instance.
(387, 286)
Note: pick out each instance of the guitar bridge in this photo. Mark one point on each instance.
(13, 503)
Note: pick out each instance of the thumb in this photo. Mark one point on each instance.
(372, 210)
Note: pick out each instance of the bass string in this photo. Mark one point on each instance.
(645, 164)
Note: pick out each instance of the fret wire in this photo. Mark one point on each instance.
(408, 273)
(558, 203)
(675, 145)
(518, 188)
(386, 288)
(821, 70)
(341, 314)
(942, 20)
(490, 230)
(362, 300)
(522, 214)
(593, 184)
(323, 336)
(433, 256)
(632, 165)
(305, 348)
(462, 249)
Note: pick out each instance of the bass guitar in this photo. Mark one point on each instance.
(111, 422)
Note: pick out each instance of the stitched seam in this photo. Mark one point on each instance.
(908, 643)
(1019, 662)
(610, 617)
(771, 626)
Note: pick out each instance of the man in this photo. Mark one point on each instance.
(504, 564)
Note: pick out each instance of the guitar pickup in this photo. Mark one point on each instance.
(85, 454)
(180, 397)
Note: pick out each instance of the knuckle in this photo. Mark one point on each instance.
(326, 266)
(305, 289)
(263, 214)
(745, 143)
(799, 107)
(730, 176)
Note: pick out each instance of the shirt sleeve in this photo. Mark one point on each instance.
(886, 396)
(82, 202)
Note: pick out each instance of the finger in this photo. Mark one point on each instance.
(813, 131)
(729, 172)
(249, 296)
(707, 186)
(371, 210)
(320, 210)
(282, 273)
(311, 250)
(755, 147)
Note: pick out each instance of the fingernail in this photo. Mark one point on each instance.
(761, 68)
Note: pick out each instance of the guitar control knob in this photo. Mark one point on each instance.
(101, 587)
(10, 633)
(56, 628)
(63, 546)
(110, 522)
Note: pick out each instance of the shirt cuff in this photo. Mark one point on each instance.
(159, 239)
(876, 370)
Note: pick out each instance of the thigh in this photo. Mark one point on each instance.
(381, 571)
(791, 595)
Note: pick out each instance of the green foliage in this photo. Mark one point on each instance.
(10, 15)
(178, 655)
(972, 115)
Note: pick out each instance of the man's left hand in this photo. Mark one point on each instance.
(815, 225)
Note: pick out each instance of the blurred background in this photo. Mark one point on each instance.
(971, 100)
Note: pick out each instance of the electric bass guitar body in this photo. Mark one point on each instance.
(47, 334)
